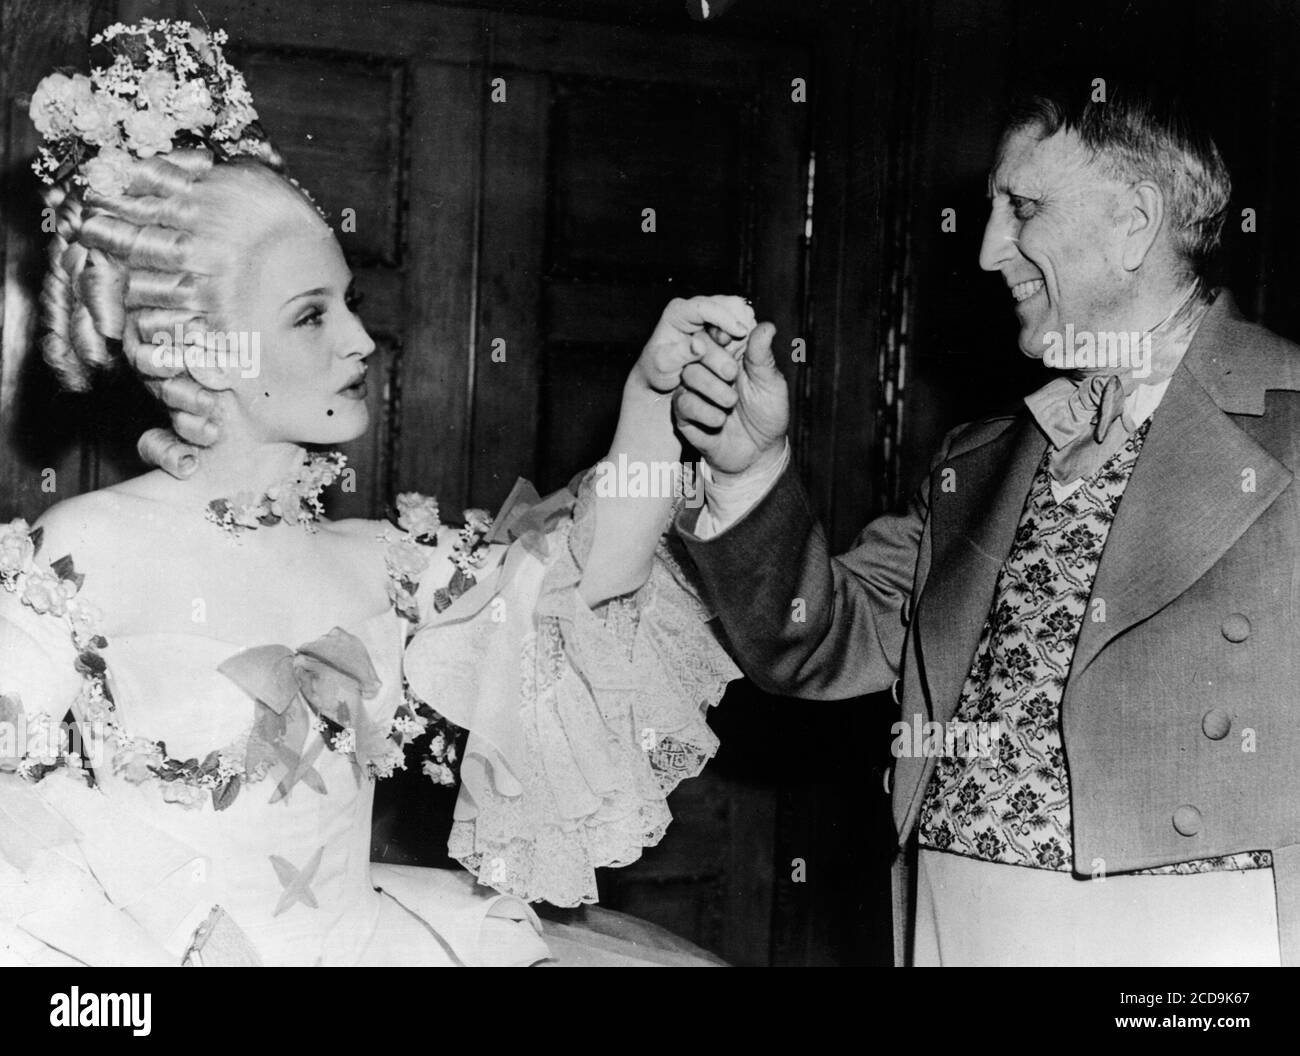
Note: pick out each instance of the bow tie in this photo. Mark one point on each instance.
(1080, 421)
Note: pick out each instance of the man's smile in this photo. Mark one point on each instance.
(1022, 291)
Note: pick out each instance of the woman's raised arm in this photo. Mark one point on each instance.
(641, 477)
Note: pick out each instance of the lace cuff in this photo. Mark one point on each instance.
(581, 722)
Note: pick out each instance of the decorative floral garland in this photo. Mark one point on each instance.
(53, 590)
(406, 559)
(169, 86)
(295, 500)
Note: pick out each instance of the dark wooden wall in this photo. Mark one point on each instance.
(479, 221)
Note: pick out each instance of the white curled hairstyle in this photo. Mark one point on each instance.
(129, 272)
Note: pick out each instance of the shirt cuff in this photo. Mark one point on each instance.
(725, 504)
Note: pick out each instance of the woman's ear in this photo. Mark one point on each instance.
(214, 358)
(166, 343)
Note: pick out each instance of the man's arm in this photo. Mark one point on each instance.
(798, 620)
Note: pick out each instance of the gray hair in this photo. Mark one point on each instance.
(1139, 136)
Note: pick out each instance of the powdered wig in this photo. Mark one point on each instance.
(167, 252)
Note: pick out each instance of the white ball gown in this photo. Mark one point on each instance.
(249, 840)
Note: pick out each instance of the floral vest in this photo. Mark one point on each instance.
(1002, 794)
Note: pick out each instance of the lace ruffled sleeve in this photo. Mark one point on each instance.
(581, 722)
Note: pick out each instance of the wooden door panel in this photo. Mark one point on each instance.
(507, 351)
(620, 147)
(442, 229)
(338, 123)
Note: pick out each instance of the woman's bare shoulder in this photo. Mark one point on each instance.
(84, 524)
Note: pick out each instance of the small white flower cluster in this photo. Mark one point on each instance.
(471, 549)
(393, 759)
(16, 550)
(439, 773)
(409, 727)
(40, 586)
(443, 749)
(418, 514)
(295, 500)
(92, 704)
(169, 85)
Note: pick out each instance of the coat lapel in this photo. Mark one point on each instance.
(1189, 500)
(971, 526)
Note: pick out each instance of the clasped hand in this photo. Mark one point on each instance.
(730, 402)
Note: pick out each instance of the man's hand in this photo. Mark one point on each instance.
(681, 338)
(737, 416)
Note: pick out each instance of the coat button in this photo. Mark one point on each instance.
(893, 691)
(1216, 723)
(1187, 820)
(1236, 628)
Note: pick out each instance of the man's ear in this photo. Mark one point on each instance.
(1142, 217)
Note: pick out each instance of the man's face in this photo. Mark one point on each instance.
(1054, 233)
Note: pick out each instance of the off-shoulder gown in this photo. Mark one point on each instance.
(580, 723)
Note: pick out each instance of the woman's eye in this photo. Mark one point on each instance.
(311, 317)
(353, 300)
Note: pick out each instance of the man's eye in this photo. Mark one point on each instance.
(1022, 207)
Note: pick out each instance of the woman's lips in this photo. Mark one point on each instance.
(357, 390)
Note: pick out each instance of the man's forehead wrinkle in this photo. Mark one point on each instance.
(1017, 161)
(1059, 165)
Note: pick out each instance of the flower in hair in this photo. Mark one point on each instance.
(167, 87)
(109, 171)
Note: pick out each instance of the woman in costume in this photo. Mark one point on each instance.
(241, 670)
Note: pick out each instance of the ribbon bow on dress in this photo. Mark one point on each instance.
(527, 517)
(332, 675)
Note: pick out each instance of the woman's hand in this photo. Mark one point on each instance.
(681, 338)
(688, 342)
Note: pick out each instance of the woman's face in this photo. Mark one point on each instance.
(302, 378)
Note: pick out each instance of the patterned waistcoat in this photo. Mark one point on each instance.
(1001, 791)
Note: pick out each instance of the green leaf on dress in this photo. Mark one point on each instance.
(224, 796)
(65, 570)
